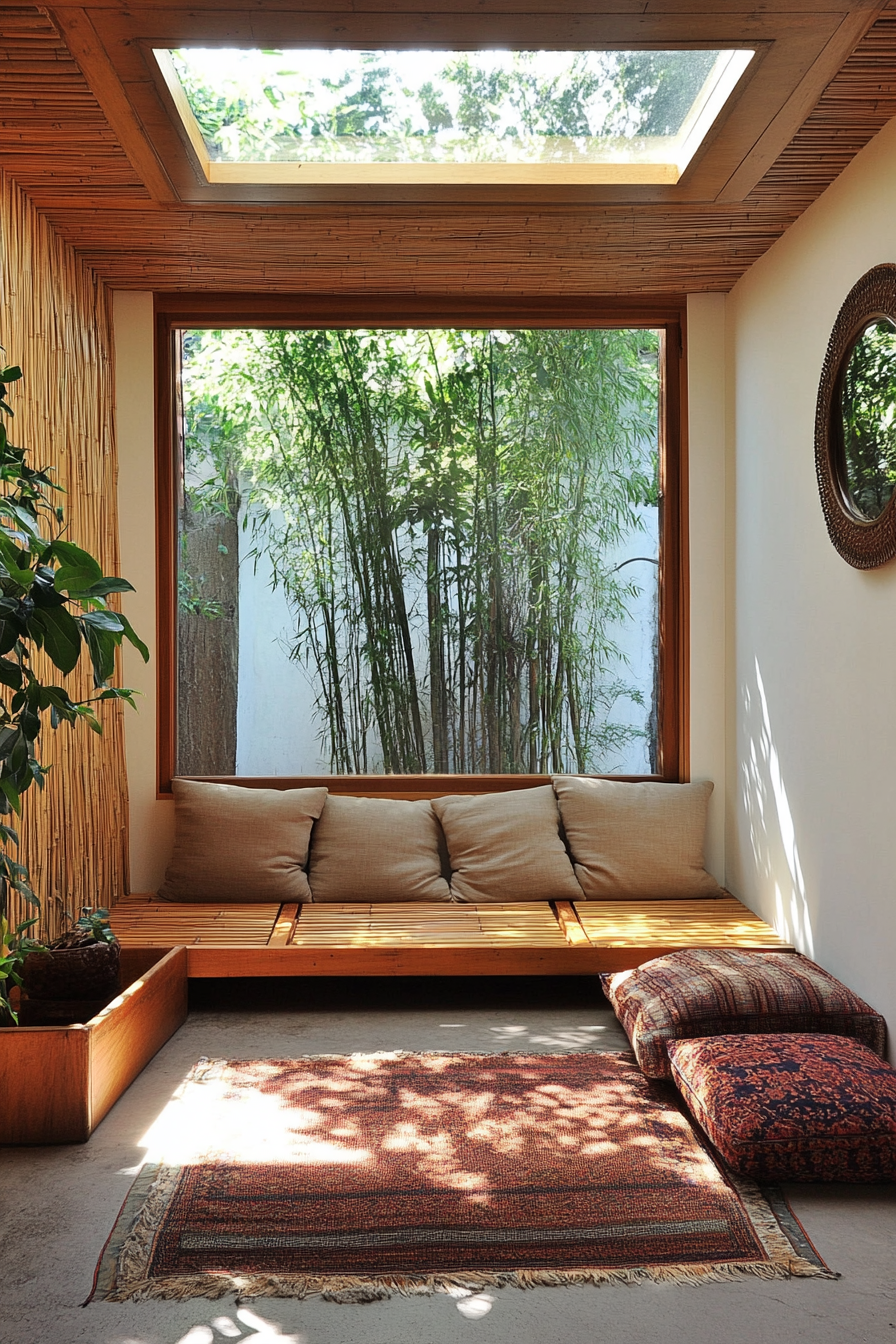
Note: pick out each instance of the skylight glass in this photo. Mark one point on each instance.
(307, 115)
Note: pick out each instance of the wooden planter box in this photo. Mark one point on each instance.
(57, 1083)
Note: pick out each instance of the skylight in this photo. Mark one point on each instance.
(328, 116)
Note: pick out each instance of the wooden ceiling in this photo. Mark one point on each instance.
(86, 132)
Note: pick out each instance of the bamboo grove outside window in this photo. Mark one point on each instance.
(419, 550)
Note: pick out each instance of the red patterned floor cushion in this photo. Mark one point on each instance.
(705, 992)
(792, 1107)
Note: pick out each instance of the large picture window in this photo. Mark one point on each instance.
(420, 550)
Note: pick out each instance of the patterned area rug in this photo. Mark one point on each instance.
(363, 1175)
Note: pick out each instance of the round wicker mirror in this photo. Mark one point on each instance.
(855, 423)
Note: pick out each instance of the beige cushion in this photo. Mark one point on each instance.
(506, 846)
(636, 841)
(240, 844)
(376, 849)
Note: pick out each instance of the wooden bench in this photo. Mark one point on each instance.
(512, 938)
(524, 938)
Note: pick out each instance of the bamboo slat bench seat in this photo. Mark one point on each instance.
(406, 938)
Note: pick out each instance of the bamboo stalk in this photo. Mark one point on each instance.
(55, 323)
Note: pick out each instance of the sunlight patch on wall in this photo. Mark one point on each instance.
(772, 830)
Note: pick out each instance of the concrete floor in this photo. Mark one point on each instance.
(58, 1204)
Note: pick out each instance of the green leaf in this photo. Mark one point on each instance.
(10, 557)
(23, 516)
(106, 586)
(133, 638)
(54, 695)
(43, 591)
(57, 632)
(73, 582)
(71, 556)
(102, 647)
(9, 637)
(103, 620)
(119, 693)
(86, 713)
(10, 674)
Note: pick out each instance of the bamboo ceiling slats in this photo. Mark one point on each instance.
(724, 922)
(53, 134)
(56, 142)
(619, 250)
(54, 323)
(857, 103)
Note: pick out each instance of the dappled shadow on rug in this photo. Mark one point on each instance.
(357, 1176)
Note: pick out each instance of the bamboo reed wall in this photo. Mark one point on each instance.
(55, 323)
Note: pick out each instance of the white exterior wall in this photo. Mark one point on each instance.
(811, 783)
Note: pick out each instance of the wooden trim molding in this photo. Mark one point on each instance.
(175, 311)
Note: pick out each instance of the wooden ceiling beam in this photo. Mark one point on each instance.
(781, 130)
(85, 46)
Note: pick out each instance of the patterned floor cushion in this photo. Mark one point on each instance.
(706, 992)
(792, 1107)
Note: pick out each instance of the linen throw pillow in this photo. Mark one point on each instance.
(636, 841)
(240, 844)
(506, 846)
(377, 849)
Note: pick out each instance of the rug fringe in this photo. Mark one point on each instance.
(769, 1231)
(356, 1289)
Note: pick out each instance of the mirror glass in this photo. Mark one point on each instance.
(868, 410)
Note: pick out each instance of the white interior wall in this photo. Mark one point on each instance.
(708, 514)
(811, 771)
(152, 818)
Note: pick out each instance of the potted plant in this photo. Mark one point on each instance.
(76, 976)
(53, 597)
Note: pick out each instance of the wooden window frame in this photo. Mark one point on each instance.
(175, 312)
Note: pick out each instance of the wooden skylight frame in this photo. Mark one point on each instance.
(662, 164)
(798, 50)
